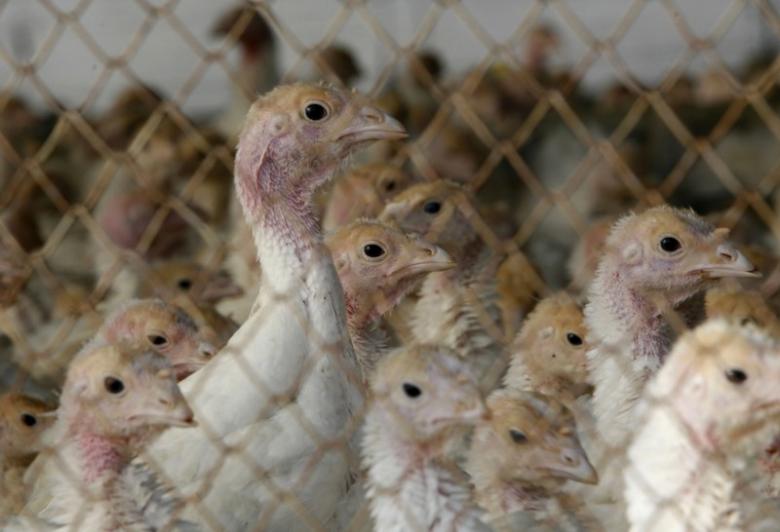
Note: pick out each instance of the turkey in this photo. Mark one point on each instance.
(285, 387)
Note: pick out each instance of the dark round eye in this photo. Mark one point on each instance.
(432, 207)
(736, 375)
(29, 420)
(184, 283)
(157, 340)
(113, 385)
(412, 391)
(573, 339)
(670, 244)
(517, 436)
(373, 251)
(315, 112)
(390, 186)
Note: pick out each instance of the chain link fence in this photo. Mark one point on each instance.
(122, 188)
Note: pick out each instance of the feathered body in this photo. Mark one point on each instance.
(287, 380)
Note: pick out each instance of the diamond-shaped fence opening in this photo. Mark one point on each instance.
(504, 327)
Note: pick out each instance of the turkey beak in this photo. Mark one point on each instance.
(372, 124)
(571, 463)
(164, 404)
(727, 261)
(427, 258)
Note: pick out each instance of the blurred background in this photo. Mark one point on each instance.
(167, 52)
(118, 122)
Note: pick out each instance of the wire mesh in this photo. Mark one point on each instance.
(126, 191)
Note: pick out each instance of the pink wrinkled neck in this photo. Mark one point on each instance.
(100, 456)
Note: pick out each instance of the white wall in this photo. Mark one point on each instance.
(166, 61)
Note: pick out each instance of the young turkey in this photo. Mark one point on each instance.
(378, 266)
(420, 395)
(292, 359)
(457, 308)
(115, 400)
(520, 459)
(654, 263)
(707, 415)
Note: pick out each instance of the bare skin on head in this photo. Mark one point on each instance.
(457, 308)
(378, 266)
(329, 123)
(654, 263)
(164, 328)
(548, 355)
(115, 400)
(704, 420)
(362, 193)
(421, 396)
(521, 457)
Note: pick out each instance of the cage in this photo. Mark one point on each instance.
(500, 326)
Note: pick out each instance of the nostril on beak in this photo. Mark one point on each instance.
(429, 251)
(163, 401)
(725, 252)
(373, 115)
(207, 350)
(569, 458)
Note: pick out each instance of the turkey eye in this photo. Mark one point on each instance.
(432, 207)
(412, 391)
(670, 244)
(113, 385)
(517, 436)
(736, 375)
(390, 186)
(185, 284)
(373, 251)
(157, 340)
(315, 112)
(29, 420)
(573, 339)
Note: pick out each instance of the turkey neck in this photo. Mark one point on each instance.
(635, 315)
(286, 231)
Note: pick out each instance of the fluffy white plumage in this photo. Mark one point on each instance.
(705, 418)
